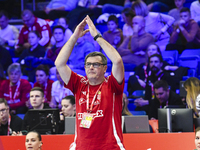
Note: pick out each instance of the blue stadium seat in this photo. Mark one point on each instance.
(189, 58)
(21, 116)
(170, 56)
(138, 113)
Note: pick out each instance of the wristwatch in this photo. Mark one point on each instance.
(97, 36)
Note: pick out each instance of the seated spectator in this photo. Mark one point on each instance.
(186, 34)
(33, 140)
(155, 63)
(2, 75)
(8, 33)
(125, 111)
(138, 80)
(15, 90)
(80, 50)
(64, 23)
(114, 35)
(127, 15)
(5, 58)
(32, 23)
(9, 123)
(68, 110)
(175, 12)
(192, 86)
(59, 35)
(58, 92)
(43, 81)
(56, 9)
(195, 11)
(89, 38)
(35, 49)
(156, 24)
(133, 49)
(164, 97)
(37, 100)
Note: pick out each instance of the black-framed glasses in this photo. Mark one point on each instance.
(95, 65)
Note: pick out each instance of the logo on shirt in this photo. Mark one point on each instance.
(81, 101)
(99, 113)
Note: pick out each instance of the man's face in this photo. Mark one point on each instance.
(58, 35)
(94, 72)
(67, 108)
(4, 113)
(155, 64)
(137, 23)
(152, 49)
(28, 20)
(41, 77)
(185, 16)
(162, 95)
(36, 99)
(3, 22)
(179, 3)
(14, 76)
(112, 26)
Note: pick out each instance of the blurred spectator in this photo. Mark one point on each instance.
(79, 52)
(125, 111)
(156, 24)
(56, 9)
(155, 62)
(2, 74)
(197, 138)
(90, 39)
(35, 49)
(139, 79)
(114, 35)
(195, 11)
(32, 23)
(160, 5)
(127, 15)
(59, 35)
(133, 49)
(5, 58)
(9, 123)
(58, 92)
(15, 90)
(164, 97)
(37, 100)
(43, 81)
(68, 110)
(186, 34)
(8, 33)
(175, 12)
(192, 86)
(63, 22)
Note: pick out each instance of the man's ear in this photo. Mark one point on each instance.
(105, 68)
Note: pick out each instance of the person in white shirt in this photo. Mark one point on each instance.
(8, 33)
(58, 92)
(195, 11)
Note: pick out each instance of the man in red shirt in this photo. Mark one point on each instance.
(33, 23)
(15, 90)
(98, 99)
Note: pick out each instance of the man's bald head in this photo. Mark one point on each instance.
(139, 20)
(28, 17)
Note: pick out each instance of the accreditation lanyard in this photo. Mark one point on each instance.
(89, 109)
(152, 88)
(16, 91)
(9, 120)
(145, 72)
(45, 91)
